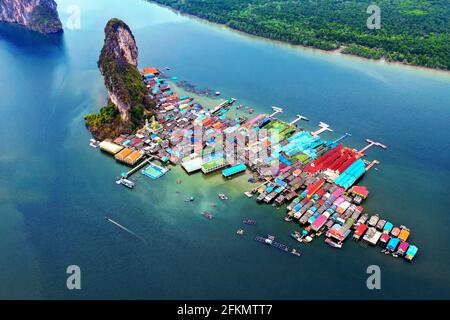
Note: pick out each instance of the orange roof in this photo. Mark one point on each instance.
(266, 143)
(133, 157)
(123, 154)
(404, 235)
(151, 70)
(218, 125)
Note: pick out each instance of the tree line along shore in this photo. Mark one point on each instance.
(415, 32)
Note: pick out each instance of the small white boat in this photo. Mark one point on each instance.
(222, 196)
(125, 182)
(333, 244)
(93, 143)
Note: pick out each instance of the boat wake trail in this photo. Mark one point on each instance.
(125, 229)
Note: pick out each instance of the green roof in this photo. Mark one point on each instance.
(214, 163)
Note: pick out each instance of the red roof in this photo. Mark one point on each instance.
(361, 229)
(360, 191)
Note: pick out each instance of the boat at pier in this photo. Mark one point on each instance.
(125, 182)
(333, 244)
(297, 236)
(270, 240)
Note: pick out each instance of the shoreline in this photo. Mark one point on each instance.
(336, 52)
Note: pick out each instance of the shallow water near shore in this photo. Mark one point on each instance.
(55, 189)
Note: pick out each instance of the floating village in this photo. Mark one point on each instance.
(316, 179)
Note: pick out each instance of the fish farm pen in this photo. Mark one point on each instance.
(317, 179)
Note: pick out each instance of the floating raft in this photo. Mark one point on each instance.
(154, 171)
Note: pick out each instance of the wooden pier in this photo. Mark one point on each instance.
(139, 166)
(370, 165)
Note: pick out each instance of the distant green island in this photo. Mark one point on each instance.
(415, 32)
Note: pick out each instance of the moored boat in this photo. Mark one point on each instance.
(296, 236)
(222, 196)
(125, 182)
(248, 194)
(207, 214)
(333, 244)
(270, 240)
(249, 222)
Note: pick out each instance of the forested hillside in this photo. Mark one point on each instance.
(412, 31)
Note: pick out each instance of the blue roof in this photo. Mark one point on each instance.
(393, 243)
(234, 169)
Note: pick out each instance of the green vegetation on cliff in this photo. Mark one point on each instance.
(106, 115)
(412, 31)
(129, 102)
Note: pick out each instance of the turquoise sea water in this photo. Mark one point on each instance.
(55, 190)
